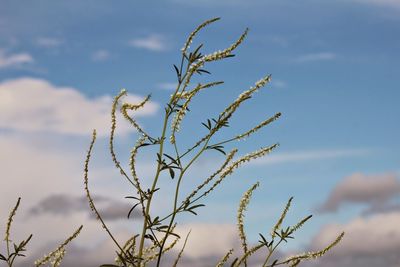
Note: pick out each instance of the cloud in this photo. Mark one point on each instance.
(14, 60)
(35, 165)
(63, 204)
(153, 42)
(383, 208)
(76, 253)
(374, 190)
(167, 86)
(209, 239)
(36, 105)
(279, 84)
(312, 155)
(48, 42)
(101, 55)
(385, 3)
(313, 57)
(368, 242)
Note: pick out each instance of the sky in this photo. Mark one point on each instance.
(334, 68)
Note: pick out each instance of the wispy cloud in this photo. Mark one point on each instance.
(374, 190)
(387, 3)
(312, 155)
(167, 86)
(34, 105)
(101, 55)
(153, 42)
(48, 42)
(313, 57)
(279, 84)
(14, 60)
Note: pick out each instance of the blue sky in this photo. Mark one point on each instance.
(334, 67)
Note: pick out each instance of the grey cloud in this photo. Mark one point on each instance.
(374, 190)
(62, 204)
(383, 208)
(368, 242)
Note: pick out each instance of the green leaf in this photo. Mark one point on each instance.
(130, 211)
(218, 148)
(264, 240)
(205, 125)
(178, 74)
(132, 197)
(200, 71)
(171, 173)
(191, 209)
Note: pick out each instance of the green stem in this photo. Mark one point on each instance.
(270, 253)
(176, 210)
(148, 204)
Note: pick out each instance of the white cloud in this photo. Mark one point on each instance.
(101, 55)
(48, 42)
(153, 42)
(323, 56)
(36, 167)
(167, 86)
(32, 105)
(14, 60)
(308, 156)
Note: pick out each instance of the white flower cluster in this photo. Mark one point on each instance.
(189, 41)
(57, 255)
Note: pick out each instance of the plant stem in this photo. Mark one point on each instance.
(270, 253)
(176, 210)
(162, 139)
(152, 190)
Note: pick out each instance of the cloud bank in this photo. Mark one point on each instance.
(369, 242)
